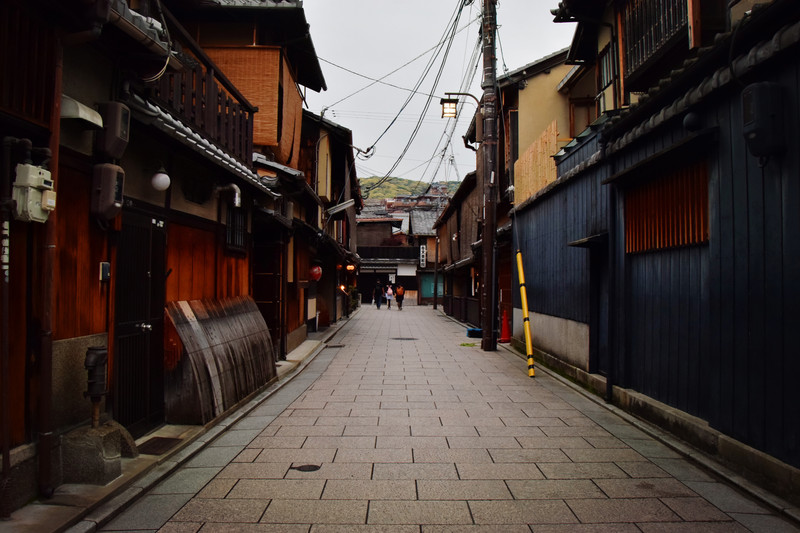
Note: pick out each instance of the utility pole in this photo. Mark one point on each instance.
(489, 176)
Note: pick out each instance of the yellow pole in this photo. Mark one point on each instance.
(526, 321)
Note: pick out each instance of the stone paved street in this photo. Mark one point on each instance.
(400, 426)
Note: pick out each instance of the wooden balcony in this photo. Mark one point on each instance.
(650, 29)
(206, 100)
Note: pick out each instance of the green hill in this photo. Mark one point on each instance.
(398, 187)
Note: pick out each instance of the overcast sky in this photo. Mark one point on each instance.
(372, 38)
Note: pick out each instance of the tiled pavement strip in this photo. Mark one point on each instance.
(415, 432)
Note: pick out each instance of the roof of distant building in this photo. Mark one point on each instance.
(422, 221)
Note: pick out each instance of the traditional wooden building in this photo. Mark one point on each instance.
(664, 255)
(144, 205)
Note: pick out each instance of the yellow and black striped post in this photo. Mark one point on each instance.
(526, 321)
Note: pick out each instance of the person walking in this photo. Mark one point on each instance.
(389, 296)
(400, 294)
(377, 295)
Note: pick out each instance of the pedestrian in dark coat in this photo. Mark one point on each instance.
(377, 294)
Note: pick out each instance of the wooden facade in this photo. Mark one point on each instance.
(677, 245)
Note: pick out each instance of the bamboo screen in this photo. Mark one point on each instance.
(289, 145)
(668, 211)
(535, 169)
(256, 73)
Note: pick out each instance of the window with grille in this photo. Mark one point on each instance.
(236, 229)
(668, 211)
(605, 68)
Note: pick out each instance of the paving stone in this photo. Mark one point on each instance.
(375, 489)
(683, 469)
(475, 529)
(254, 422)
(554, 442)
(766, 523)
(217, 488)
(641, 469)
(383, 455)
(428, 512)
(644, 488)
(462, 490)
(464, 455)
(534, 455)
(339, 442)
(297, 455)
(585, 528)
(498, 471)
(651, 448)
(293, 420)
(378, 431)
(416, 471)
(521, 512)
(510, 431)
(693, 527)
(310, 431)
(726, 498)
(248, 455)
(277, 442)
(254, 470)
(224, 510)
(352, 528)
(430, 430)
(599, 456)
(623, 510)
(315, 512)
(411, 442)
(347, 421)
(335, 471)
(694, 509)
(482, 442)
(553, 489)
(567, 431)
(581, 470)
(285, 489)
(186, 481)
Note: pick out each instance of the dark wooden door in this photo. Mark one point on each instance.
(268, 289)
(598, 313)
(139, 313)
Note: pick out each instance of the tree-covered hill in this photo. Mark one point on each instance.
(398, 186)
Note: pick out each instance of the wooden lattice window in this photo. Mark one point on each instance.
(236, 229)
(669, 210)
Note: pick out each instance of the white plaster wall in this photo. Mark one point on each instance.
(565, 339)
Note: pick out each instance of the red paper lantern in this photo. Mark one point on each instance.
(315, 272)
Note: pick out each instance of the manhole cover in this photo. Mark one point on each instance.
(403, 338)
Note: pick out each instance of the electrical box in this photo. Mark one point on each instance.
(762, 119)
(107, 187)
(33, 193)
(113, 140)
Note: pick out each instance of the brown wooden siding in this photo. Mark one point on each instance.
(81, 299)
(192, 256)
(26, 65)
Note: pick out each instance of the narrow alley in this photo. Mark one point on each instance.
(403, 424)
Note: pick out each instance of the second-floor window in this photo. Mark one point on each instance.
(605, 68)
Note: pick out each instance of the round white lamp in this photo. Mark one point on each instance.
(160, 180)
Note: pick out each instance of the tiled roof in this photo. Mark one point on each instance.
(422, 221)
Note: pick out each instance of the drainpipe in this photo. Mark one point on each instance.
(48, 293)
(5, 256)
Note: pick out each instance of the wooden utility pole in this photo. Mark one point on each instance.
(489, 176)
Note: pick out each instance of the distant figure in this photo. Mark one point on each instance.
(377, 294)
(400, 294)
(389, 296)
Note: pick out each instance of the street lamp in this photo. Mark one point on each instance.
(450, 104)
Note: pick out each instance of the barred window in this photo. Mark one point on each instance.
(605, 68)
(236, 229)
(668, 211)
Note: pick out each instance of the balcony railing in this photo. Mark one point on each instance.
(649, 25)
(206, 100)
